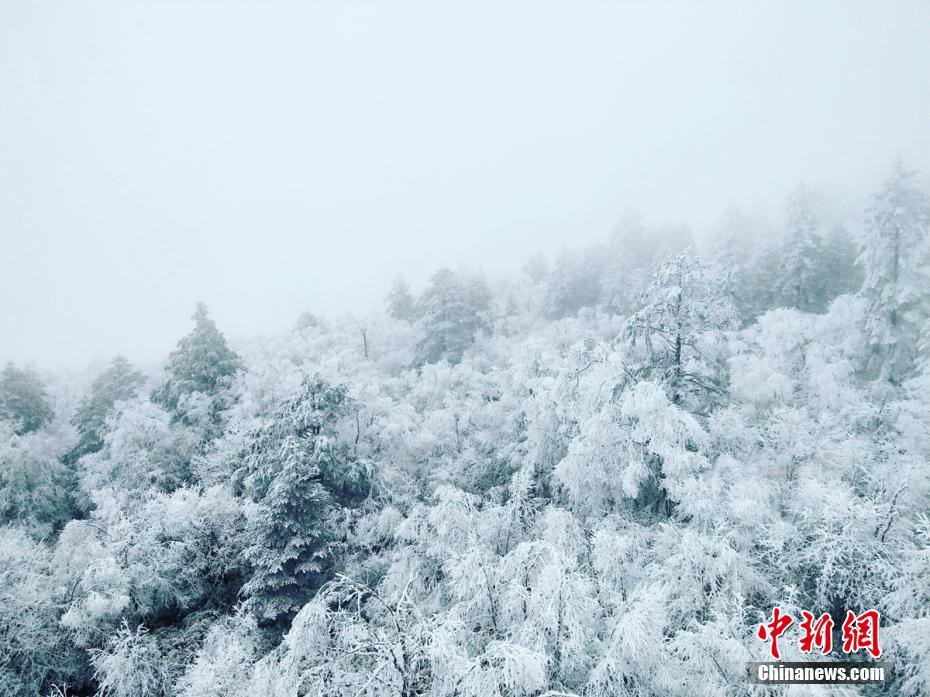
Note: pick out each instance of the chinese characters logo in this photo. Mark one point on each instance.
(859, 632)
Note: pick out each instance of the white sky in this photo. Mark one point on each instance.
(270, 157)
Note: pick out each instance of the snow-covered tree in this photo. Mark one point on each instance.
(142, 450)
(641, 449)
(536, 267)
(909, 602)
(33, 654)
(798, 280)
(35, 486)
(23, 400)
(400, 302)
(349, 641)
(450, 312)
(131, 666)
(841, 272)
(574, 283)
(306, 321)
(223, 665)
(895, 257)
(675, 335)
(732, 254)
(285, 466)
(119, 382)
(202, 364)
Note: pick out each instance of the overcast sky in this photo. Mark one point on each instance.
(271, 157)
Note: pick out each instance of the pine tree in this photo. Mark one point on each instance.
(799, 279)
(629, 264)
(536, 267)
(306, 320)
(286, 468)
(400, 301)
(733, 253)
(23, 401)
(120, 381)
(451, 311)
(684, 312)
(841, 272)
(896, 263)
(202, 363)
(575, 283)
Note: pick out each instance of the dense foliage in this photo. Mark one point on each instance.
(595, 478)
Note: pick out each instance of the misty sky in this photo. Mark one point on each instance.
(273, 157)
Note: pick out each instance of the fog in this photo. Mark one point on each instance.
(271, 158)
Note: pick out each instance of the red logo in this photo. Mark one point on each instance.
(859, 632)
(774, 629)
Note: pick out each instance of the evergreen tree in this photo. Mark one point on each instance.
(841, 272)
(120, 381)
(400, 301)
(287, 465)
(202, 363)
(536, 267)
(669, 240)
(575, 283)
(799, 279)
(684, 313)
(896, 263)
(23, 401)
(306, 320)
(34, 484)
(450, 313)
(634, 243)
(733, 253)
(764, 274)
(630, 258)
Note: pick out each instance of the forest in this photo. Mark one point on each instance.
(593, 478)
